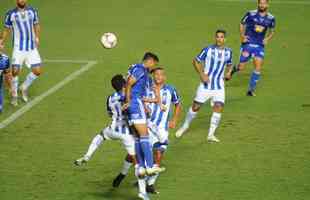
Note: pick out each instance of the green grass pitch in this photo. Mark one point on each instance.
(265, 141)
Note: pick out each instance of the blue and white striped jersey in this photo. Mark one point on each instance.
(215, 61)
(114, 108)
(22, 22)
(4, 63)
(169, 96)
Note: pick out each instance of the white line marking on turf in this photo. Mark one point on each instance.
(38, 99)
(272, 2)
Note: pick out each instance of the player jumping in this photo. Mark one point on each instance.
(210, 65)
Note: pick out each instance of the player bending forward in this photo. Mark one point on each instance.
(118, 130)
(210, 65)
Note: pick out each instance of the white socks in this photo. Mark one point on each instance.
(214, 123)
(189, 118)
(96, 142)
(126, 167)
(152, 179)
(141, 181)
(14, 86)
(29, 79)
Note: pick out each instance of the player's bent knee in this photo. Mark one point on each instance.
(196, 106)
(218, 106)
(37, 71)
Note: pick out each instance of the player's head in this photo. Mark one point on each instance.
(118, 82)
(21, 3)
(150, 60)
(220, 36)
(159, 75)
(262, 5)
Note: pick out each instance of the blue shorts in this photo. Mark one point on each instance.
(248, 51)
(136, 112)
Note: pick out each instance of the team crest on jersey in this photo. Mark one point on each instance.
(259, 28)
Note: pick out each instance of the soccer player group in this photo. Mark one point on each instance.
(141, 105)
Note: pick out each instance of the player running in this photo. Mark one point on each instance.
(210, 65)
(253, 33)
(23, 21)
(160, 118)
(117, 130)
(4, 71)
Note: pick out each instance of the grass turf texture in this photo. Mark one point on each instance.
(265, 140)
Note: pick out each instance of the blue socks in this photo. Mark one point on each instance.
(147, 151)
(139, 153)
(253, 81)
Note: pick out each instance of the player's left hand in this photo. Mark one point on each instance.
(37, 40)
(125, 106)
(227, 76)
(172, 124)
(265, 41)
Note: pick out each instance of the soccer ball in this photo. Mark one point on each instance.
(108, 40)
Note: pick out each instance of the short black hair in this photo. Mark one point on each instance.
(156, 69)
(221, 31)
(150, 55)
(118, 82)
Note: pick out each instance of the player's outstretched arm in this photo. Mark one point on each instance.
(199, 69)
(229, 70)
(176, 115)
(3, 36)
(37, 31)
(243, 37)
(269, 36)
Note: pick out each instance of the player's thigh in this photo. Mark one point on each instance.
(34, 61)
(245, 56)
(129, 143)
(218, 99)
(258, 61)
(202, 95)
(18, 59)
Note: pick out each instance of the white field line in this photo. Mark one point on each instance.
(59, 85)
(284, 2)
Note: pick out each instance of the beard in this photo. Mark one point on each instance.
(21, 5)
(262, 9)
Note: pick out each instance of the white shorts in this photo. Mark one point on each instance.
(157, 134)
(203, 95)
(127, 140)
(29, 58)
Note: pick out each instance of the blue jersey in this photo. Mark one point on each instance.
(215, 60)
(141, 75)
(169, 96)
(22, 22)
(4, 63)
(257, 26)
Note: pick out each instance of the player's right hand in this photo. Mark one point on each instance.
(125, 106)
(1, 44)
(244, 39)
(204, 78)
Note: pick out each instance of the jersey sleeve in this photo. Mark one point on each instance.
(175, 96)
(229, 61)
(245, 18)
(7, 20)
(137, 73)
(109, 110)
(273, 24)
(202, 56)
(36, 16)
